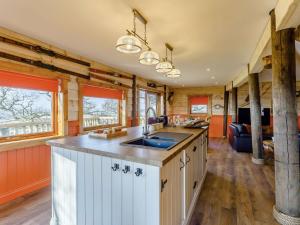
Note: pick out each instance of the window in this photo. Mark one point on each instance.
(101, 107)
(146, 100)
(199, 104)
(100, 111)
(27, 106)
(199, 109)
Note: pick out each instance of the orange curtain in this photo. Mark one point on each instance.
(16, 80)
(100, 92)
(199, 100)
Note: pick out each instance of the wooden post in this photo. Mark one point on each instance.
(225, 118)
(255, 111)
(297, 34)
(287, 168)
(234, 105)
(134, 99)
(165, 100)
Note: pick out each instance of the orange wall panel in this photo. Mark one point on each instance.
(216, 126)
(24, 170)
(73, 128)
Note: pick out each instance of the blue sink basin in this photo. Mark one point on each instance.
(155, 143)
(158, 141)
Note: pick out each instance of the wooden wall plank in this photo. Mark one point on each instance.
(106, 191)
(3, 172)
(80, 188)
(139, 198)
(89, 189)
(97, 162)
(127, 194)
(116, 182)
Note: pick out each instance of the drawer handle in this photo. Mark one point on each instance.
(138, 172)
(195, 184)
(126, 169)
(195, 148)
(163, 184)
(183, 164)
(115, 167)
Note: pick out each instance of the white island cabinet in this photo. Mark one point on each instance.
(91, 189)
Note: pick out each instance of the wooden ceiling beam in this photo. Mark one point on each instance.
(284, 9)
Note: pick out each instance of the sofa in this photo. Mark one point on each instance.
(240, 137)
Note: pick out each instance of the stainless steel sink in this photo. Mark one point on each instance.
(159, 141)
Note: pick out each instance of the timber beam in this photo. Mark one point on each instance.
(286, 142)
(297, 34)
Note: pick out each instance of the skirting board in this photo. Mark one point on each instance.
(194, 201)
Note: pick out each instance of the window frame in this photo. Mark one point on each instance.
(54, 131)
(147, 92)
(190, 106)
(103, 126)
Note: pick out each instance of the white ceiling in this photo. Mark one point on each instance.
(216, 34)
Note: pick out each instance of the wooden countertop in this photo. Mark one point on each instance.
(112, 147)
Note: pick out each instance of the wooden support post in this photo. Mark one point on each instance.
(255, 111)
(234, 105)
(287, 167)
(165, 100)
(297, 34)
(225, 119)
(134, 105)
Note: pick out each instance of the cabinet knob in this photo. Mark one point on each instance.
(126, 169)
(115, 167)
(138, 172)
(195, 148)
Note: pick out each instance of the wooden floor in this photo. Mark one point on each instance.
(236, 192)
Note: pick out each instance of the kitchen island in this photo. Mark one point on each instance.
(106, 182)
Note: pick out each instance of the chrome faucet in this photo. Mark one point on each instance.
(146, 131)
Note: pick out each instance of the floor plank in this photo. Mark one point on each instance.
(235, 192)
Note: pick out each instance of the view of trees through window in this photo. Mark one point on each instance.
(24, 111)
(199, 109)
(146, 100)
(100, 111)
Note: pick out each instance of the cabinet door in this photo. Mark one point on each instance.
(172, 192)
(178, 213)
(166, 194)
(204, 143)
(189, 177)
(196, 164)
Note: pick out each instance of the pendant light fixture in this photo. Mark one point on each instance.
(132, 43)
(149, 58)
(128, 44)
(174, 73)
(165, 66)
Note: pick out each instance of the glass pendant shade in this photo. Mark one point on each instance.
(149, 58)
(164, 67)
(128, 44)
(174, 73)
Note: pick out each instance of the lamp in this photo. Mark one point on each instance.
(174, 73)
(149, 58)
(164, 66)
(128, 44)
